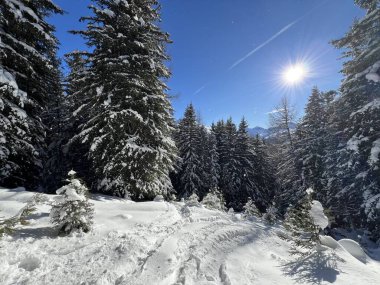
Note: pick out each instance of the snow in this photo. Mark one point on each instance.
(354, 143)
(108, 12)
(159, 198)
(353, 248)
(371, 73)
(329, 242)
(161, 243)
(318, 215)
(375, 152)
(374, 104)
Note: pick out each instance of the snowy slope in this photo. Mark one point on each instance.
(165, 243)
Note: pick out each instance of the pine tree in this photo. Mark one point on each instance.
(207, 162)
(271, 214)
(358, 121)
(311, 142)
(72, 210)
(130, 120)
(27, 67)
(250, 209)
(193, 201)
(247, 161)
(212, 162)
(264, 174)
(214, 200)
(298, 221)
(290, 189)
(78, 90)
(229, 182)
(191, 165)
(55, 118)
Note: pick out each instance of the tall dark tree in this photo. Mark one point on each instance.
(212, 162)
(264, 175)
(28, 67)
(79, 93)
(190, 176)
(130, 120)
(246, 158)
(358, 120)
(229, 181)
(55, 119)
(287, 167)
(311, 142)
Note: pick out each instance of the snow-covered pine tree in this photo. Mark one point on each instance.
(290, 189)
(304, 232)
(250, 209)
(264, 174)
(205, 167)
(191, 165)
(72, 209)
(229, 165)
(212, 162)
(192, 200)
(55, 119)
(78, 90)
(271, 214)
(310, 143)
(27, 55)
(130, 120)
(247, 161)
(214, 200)
(358, 120)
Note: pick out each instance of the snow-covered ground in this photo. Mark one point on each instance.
(168, 243)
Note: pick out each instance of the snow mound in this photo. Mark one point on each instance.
(354, 249)
(159, 198)
(30, 263)
(318, 216)
(329, 242)
(124, 216)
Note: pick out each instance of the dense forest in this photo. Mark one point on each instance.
(110, 120)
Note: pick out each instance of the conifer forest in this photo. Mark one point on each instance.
(103, 181)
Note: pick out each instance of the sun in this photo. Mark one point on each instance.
(294, 74)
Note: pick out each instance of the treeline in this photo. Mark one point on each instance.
(223, 158)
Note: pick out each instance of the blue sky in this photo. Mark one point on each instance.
(212, 39)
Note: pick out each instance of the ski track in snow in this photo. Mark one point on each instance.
(158, 243)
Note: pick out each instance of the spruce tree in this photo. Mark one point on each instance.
(287, 167)
(264, 174)
(299, 222)
(71, 209)
(250, 209)
(358, 121)
(247, 162)
(212, 162)
(27, 66)
(311, 142)
(56, 119)
(229, 165)
(271, 214)
(191, 165)
(214, 200)
(78, 90)
(130, 121)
